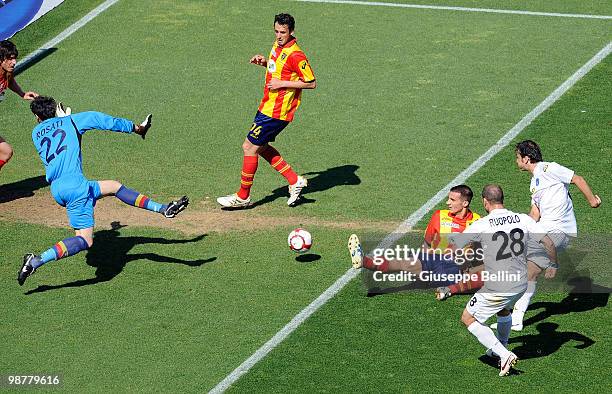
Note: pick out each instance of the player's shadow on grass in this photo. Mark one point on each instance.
(321, 181)
(110, 254)
(585, 296)
(547, 341)
(21, 189)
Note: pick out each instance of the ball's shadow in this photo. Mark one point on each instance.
(308, 258)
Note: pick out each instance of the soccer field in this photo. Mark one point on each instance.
(407, 99)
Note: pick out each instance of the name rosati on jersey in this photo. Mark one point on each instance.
(503, 220)
(49, 128)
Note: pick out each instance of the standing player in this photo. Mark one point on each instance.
(288, 72)
(58, 142)
(8, 60)
(456, 218)
(503, 235)
(552, 208)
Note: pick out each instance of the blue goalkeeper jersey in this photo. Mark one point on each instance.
(58, 140)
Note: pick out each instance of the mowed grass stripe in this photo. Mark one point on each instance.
(463, 9)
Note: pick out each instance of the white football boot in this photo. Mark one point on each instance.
(295, 190)
(233, 201)
(507, 364)
(354, 247)
(514, 327)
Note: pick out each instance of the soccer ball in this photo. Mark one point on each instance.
(299, 240)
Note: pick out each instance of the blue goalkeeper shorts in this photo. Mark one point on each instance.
(79, 196)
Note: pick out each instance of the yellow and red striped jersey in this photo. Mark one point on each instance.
(287, 63)
(442, 223)
(4, 81)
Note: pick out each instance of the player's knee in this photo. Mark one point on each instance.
(466, 318)
(6, 151)
(249, 148)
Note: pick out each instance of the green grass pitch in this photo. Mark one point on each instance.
(406, 99)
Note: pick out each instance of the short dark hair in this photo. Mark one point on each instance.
(530, 149)
(285, 19)
(493, 194)
(465, 191)
(43, 107)
(7, 50)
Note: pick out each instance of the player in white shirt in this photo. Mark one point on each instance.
(503, 235)
(552, 208)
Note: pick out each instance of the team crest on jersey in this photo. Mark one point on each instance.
(271, 66)
(538, 181)
(283, 56)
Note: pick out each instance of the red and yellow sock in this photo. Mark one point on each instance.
(271, 155)
(2, 163)
(249, 167)
(368, 263)
(464, 287)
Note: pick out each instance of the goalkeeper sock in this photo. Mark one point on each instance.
(463, 287)
(136, 199)
(64, 248)
(249, 168)
(271, 155)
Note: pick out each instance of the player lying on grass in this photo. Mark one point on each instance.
(435, 256)
(8, 61)
(58, 142)
(503, 235)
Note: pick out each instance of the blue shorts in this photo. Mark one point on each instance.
(265, 129)
(437, 264)
(79, 196)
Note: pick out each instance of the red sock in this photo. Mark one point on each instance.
(464, 287)
(249, 167)
(279, 164)
(2, 162)
(368, 263)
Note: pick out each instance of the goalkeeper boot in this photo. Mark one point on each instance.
(442, 293)
(295, 190)
(141, 129)
(27, 268)
(174, 207)
(354, 247)
(233, 201)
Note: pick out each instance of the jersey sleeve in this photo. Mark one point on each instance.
(564, 174)
(300, 64)
(431, 232)
(85, 121)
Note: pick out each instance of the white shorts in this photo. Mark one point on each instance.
(485, 304)
(537, 254)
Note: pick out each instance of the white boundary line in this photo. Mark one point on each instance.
(409, 222)
(465, 9)
(63, 35)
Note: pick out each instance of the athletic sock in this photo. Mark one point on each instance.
(271, 155)
(136, 199)
(464, 287)
(504, 324)
(64, 248)
(368, 263)
(249, 168)
(2, 163)
(486, 337)
(520, 307)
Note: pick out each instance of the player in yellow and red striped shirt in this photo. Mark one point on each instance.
(288, 72)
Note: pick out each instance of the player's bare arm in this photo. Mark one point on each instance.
(260, 60)
(584, 187)
(14, 86)
(275, 84)
(535, 213)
